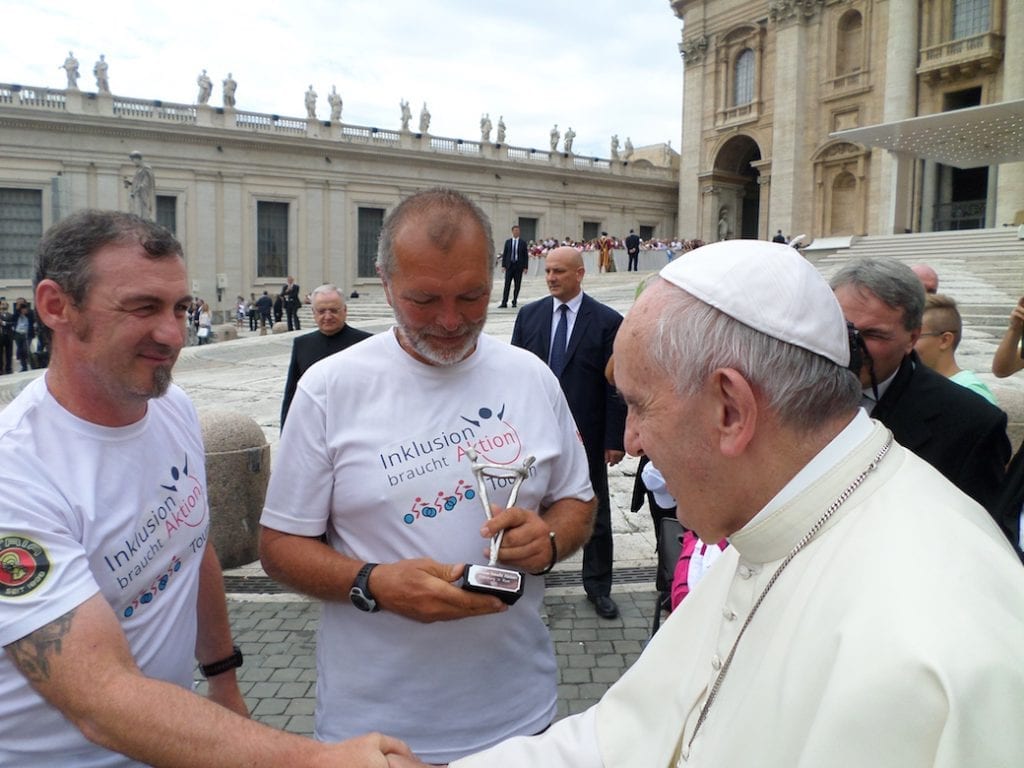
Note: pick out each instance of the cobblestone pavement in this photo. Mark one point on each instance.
(277, 636)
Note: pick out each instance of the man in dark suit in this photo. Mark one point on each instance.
(291, 303)
(955, 430)
(333, 334)
(514, 258)
(578, 355)
(633, 251)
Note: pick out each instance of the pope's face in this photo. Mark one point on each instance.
(439, 295)
(672, 430)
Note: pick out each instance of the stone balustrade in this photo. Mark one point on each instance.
(76, 102)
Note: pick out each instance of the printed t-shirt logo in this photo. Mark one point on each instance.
(24, 565)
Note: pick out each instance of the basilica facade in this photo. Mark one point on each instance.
(771, 87)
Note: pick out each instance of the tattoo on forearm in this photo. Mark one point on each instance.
(33, 653)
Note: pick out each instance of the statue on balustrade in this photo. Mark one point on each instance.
(555, 136)
(501, 130)
(229, 91)
(406, 114)
(311, 103)
(70, 66)
(334, 99)
(205, 88)
(628, 153)
(100, 70)
(142, 188)
(615, 146)
(485, 128)
(424, 118)
(570, 135)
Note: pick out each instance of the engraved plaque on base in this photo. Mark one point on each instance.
(504, 583)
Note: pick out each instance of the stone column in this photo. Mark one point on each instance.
(695, 72)
(901, 52)
(1010, 188)
(792, 47)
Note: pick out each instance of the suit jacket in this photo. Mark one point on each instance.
(599, 411)
(290, 295)
(633, 244)
(521, 257)
(311, 348)
(955, 430)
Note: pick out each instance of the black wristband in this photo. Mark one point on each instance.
(554, 555)
(234, 661)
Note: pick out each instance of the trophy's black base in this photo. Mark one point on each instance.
(504, 583)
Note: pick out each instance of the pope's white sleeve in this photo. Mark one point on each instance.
(569, 743)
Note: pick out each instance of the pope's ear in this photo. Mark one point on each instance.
(737, 409)
(52, 303)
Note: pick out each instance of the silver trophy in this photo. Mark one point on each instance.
(493, 579)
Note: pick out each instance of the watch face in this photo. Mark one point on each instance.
(361, 601)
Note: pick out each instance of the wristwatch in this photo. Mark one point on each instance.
(360, 592)
(219, 667)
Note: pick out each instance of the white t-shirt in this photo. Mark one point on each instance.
(86, 508)
(373, 453)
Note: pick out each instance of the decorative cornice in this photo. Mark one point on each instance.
(788, 11)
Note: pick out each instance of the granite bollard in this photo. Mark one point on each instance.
(237, 473)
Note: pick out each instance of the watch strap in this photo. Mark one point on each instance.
(219, 667)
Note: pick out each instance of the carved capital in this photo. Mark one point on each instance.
(693, 49)
(787, 11)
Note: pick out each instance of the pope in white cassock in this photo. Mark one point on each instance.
(868, 613)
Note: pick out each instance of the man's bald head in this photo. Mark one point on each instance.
(929, 277)
(563, 269)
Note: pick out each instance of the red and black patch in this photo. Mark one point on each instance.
(23, 566)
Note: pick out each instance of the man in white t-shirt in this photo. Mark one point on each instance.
(108, 590)
(376, 455)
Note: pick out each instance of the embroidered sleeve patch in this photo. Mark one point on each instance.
(24, 565)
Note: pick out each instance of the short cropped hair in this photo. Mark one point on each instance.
(65, 252)
(445, 209)
(326, 288)
(944, 316)
(893, 282)
(692, 339)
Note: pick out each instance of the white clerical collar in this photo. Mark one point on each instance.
(838, 448)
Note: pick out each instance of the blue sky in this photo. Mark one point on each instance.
(599, 66)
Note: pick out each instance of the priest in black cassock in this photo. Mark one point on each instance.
(333, 334)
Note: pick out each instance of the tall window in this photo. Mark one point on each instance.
(970, 17)
(271, 239)
(591, 229)
(743, 86)
(21, 226)
(646, 233)
(167, 212)
(849, 43)
(370, 222)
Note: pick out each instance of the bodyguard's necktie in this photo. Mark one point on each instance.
(515, 251)
(557, 361)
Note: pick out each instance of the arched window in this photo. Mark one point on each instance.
(743, 84)
(970, 18)
(849, 43)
